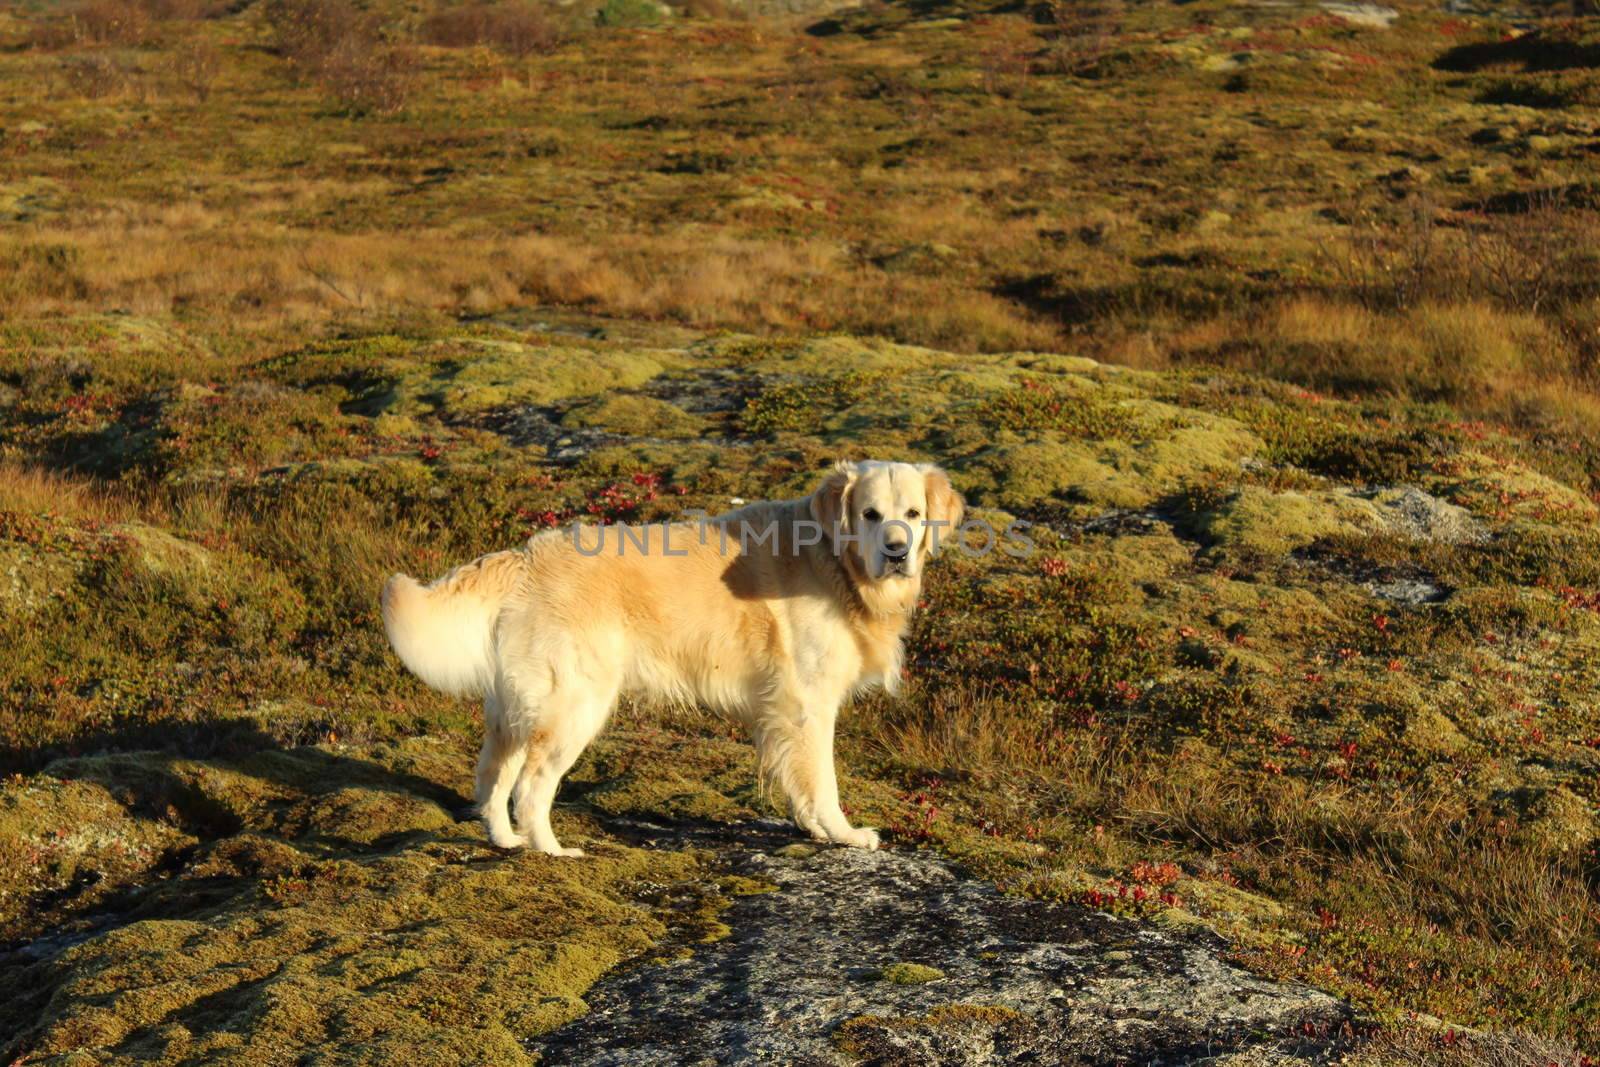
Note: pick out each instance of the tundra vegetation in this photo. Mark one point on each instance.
(1283, 329)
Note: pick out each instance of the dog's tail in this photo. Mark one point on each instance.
(444, 632)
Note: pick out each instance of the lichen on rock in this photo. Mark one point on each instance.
(820, 971)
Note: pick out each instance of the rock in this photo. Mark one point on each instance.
(160, 552)
(1375, 16)
(1421, 516)
(918, 257)
(799, 979)
(30, 578)
(1475, 175)
(772, 200)
(1412, 592)
(1494, 135)
(1410, 174)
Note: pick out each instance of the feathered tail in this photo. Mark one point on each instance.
(444, 632)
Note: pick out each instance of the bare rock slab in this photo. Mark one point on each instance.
(897, 957)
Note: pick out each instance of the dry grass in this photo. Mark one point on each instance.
(174, 258)
(1514, 366)
(27, 488)
(365, 78)
(1418, 1046)
(699, 189)
(120, 23)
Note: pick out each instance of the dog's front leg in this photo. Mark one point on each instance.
(798, 751)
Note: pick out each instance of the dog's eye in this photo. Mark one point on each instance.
(913, 514)
(871, 515)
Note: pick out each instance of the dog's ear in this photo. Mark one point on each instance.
(945, 505)
(828, 501)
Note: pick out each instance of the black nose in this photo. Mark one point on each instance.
(895, 552)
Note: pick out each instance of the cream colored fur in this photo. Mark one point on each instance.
(776, 635)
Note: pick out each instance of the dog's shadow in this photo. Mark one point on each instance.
(229, 788)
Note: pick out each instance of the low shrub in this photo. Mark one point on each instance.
(628, 13)
(195, 66)
(95, 76)
(341, 49)
(516, 29)
(123, 22)
(368, 79)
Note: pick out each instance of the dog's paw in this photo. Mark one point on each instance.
(509, 842)
(571, 853)
(817, 833)
(860, 837)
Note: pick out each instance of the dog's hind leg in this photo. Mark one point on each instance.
(499, 764)
(565, 725)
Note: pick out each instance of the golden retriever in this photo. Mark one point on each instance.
(773, 614)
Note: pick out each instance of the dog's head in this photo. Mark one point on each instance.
(887, 517)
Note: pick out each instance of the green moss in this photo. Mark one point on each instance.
(55, 832)
(813, 402)
(1139, 559)
(628, 13)
(1560, 823)
(635, 416)
(1494, 488)
(389, 375)
(1080, 411)
(671, 777)
(1163, 455)
(1431, 731)
(490, 375)
(909, 974)
(1229, 906)
(849, 357)
(1273, 524)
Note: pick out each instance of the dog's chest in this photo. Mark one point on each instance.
(834, 652)
(880, 648)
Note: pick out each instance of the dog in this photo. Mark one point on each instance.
(773, 614)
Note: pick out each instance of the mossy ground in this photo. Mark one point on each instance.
(325, 897)
(235, 395)
(1187, 702)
